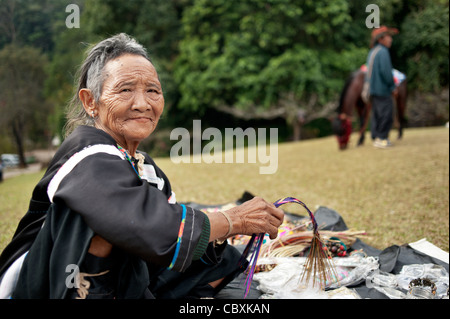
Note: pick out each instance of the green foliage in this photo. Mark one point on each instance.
(22, 105)
(5, 144)
(252, 56)
(425, 37)
(22, 70)
(254, 53)
(30, 23)
(67, 55)
(154, 23)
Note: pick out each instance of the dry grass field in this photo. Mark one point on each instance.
(397, 196)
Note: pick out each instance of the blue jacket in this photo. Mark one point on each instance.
(381, 81)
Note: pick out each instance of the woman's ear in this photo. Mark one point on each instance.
(87, 98)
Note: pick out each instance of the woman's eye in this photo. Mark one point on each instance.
(125, 90)
(154, 94)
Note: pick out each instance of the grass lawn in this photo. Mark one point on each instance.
(15, 195)
(397, 196)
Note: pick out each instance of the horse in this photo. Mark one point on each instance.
(350, 99)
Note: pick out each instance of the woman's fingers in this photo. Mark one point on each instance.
(257, 216)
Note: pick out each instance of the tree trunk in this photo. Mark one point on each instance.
(18, 138)
(297, 131)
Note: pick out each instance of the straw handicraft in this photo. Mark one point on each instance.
(296, 242)
(318, 266)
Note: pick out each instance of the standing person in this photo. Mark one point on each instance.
(382, 86)
(113, 228)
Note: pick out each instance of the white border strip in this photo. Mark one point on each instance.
(68, 166)
(424, 246)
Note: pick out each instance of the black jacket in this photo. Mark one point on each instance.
(89, 188)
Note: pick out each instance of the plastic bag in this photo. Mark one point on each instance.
(284, 280)
(436, 273)
(361, 267)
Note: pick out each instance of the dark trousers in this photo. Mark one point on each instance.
(382, 112)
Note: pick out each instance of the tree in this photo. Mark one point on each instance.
(425, 40)
(22, 105)
(154, 23)
(67, 54)
(265, 59)
(29, 23)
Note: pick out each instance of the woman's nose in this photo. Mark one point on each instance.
(140, 103)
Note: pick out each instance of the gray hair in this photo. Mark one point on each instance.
(91, 76)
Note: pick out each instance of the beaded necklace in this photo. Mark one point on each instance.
(130, 159)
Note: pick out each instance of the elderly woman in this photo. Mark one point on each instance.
(113, 228)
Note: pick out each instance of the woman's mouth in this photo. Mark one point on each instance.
(141, 119)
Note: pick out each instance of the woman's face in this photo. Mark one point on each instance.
(132, 100)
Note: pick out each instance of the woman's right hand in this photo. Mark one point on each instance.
(256, 216)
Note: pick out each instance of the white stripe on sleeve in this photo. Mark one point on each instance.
(68, 166)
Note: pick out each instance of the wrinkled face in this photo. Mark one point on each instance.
(132, 100)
